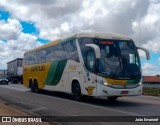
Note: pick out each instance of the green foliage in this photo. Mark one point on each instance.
(152, 91)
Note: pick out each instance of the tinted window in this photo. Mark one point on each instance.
(70, 50)
(73, 51)
(50, 54)
(84, 49)
(90, 63)
(32, 58)
(42, 55)
(66, 50)
(60, 52)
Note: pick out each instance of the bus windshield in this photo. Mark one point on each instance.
(118, 58)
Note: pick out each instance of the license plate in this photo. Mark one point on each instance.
(124, 92)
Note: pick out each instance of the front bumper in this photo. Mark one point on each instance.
(103, 90)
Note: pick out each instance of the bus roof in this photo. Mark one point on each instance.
(99, 35)
(102, 35)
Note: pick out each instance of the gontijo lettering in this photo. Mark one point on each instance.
(38, 68)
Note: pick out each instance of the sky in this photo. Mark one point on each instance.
(27, 24)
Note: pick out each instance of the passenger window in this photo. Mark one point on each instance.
(42, 56)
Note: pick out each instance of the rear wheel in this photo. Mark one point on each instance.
(34, 86)
(36, 89)
(31, 85)
(112, 98)
(77, 92)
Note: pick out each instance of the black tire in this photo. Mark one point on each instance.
(112, 98)
(35, 87)
(77, 92)
(31, 85)
(36, 90)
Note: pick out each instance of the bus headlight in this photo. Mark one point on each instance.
(140, 83)
(105, 83)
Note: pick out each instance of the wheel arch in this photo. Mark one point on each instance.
(74, 81)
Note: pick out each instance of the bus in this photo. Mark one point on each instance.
(90, 63)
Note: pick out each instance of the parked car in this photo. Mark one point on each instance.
(3, 80)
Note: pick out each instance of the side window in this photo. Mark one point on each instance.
(42, 55)
(50, 54)
(82, 43)
(70, 50)
(66, 47)
(73, 51)
(57, 55)
(29, 59)
(60, 52)
(33, 58)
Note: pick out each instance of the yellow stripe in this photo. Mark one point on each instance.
(72, 68)
(116, 82)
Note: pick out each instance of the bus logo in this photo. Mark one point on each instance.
(38, 68)
(90, 89)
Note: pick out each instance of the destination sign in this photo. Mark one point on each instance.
(106, 42)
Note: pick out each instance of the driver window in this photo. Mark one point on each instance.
(91, 61)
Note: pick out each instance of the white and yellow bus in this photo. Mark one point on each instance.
(93, 64)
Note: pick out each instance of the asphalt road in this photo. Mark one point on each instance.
(59, 104)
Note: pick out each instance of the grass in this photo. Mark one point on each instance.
(152, 91)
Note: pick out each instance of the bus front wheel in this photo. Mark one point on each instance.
(77, 92)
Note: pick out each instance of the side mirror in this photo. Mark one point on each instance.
(146, 51)
(96, 49)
